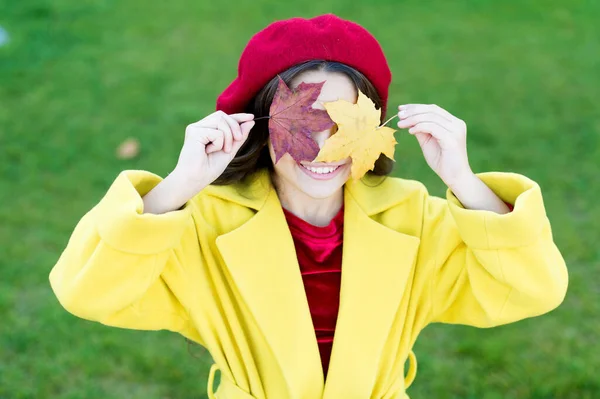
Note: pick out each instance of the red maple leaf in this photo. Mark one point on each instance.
(292, 120)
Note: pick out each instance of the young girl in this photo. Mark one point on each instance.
(300, 281)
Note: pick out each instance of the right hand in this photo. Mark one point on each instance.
(210, 145)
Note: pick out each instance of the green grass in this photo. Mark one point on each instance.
(79, 77)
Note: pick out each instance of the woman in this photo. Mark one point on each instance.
(302, 282)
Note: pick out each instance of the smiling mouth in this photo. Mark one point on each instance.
(321, 170)
(324, 170)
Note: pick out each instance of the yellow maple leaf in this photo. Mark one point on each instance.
(359, 135)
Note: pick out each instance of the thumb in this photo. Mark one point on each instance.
(242, 117)
(423, 138)
(245, 127)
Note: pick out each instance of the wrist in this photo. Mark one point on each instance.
(463, 182)
(171, 194)
(182, 182)
(474, 194)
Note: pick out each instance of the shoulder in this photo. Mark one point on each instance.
(228, 206)
(250, 192)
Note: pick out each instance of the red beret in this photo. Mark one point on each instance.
(286, 43)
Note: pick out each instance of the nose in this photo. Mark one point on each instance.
(321, 136)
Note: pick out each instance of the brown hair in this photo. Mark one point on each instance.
(254, 154)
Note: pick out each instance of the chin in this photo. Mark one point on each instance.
(320, 192)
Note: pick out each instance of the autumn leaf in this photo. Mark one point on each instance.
(292, 120)
(359, 135)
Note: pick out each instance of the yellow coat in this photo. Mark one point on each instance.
(223, 272)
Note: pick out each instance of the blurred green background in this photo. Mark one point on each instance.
(78, 78)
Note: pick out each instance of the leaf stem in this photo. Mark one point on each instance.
(262, 117)
(386, 122)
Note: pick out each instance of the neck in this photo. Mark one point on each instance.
(316, 211)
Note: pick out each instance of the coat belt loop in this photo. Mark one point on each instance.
(412, 370)
(211, 380)
(226, 389)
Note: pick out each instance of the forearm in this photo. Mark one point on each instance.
(170, 194)
(476, 195)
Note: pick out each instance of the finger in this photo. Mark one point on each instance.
(235, 127)
(227, 135)
(242, 117)
(201, 134)
(211, 148)
(245, 128)
(423, 138)
(215, 138)
(415, 109)
(437, 131)
(410, 109)
(412, 120)
(212, 120)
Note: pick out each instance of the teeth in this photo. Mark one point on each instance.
(322, 170)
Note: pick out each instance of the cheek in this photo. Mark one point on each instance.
(347, 174)
(279, 166)
(286, 163)
(271, 152)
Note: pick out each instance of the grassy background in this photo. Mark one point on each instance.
(79, 77)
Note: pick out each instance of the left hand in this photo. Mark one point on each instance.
(443, 140)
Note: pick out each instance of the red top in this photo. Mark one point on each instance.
(319, 252)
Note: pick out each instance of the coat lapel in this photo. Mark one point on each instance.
(377, 262)
(376, 265)
(261, 259)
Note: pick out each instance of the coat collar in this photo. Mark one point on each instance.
(377, 262)
(373, 194)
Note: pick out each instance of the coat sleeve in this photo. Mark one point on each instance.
(493, 269)
(119, 263)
